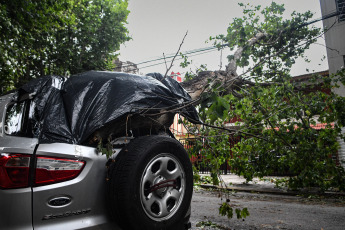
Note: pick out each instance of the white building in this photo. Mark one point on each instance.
(335, 35)
(335, 43)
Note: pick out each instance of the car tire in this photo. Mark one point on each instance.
(150, 184)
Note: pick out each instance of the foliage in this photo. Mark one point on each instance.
(285, 40)
(58, 37)
(227, 210)
(203, 224)
(189, 75)
(276, 114)
(105, 148)
(282, 136)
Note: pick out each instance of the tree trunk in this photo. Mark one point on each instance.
(228, 80)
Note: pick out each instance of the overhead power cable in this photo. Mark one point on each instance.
(214, 48)
(160, 63)
(211, 48)
(337, 13)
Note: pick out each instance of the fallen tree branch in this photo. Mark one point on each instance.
(171, 65)
(206, 79)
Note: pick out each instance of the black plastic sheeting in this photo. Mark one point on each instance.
(70, 110)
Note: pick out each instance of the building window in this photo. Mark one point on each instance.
(341, 9)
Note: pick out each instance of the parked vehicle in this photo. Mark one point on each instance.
(53, 175)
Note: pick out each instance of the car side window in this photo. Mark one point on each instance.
(16, 119)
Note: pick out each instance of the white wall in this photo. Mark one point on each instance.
(335, 42)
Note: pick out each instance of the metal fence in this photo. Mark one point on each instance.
(198, 159)
(204, 166)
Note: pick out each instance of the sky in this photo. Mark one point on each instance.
(157, 27)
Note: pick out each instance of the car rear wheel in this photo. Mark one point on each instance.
(150, 184)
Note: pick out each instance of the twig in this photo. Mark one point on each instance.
(234, 131)
(165, 61)
(221, 58)
(166, 73)
(127, 124)
(265, 112)
(168, 110)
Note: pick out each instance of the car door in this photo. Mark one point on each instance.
(78, 200)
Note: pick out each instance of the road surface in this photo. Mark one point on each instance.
(269, 212)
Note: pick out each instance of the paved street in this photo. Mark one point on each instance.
(269, 211)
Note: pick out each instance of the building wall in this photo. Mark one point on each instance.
(177, 129)
(335, 43)
(334, 37)
(126, 67)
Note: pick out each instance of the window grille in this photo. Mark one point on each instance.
(341, 9)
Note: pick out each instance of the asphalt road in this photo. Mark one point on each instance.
(269, 212)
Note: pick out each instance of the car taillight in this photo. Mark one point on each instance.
(53, 170)
(14, 170)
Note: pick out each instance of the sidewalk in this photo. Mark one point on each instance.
(237, 183)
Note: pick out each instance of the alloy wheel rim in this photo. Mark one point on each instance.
(162, 187)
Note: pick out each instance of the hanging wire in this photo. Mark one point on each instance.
(340, 12)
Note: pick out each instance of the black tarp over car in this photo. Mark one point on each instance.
(70, 110)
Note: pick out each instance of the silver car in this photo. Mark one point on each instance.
(146, 183)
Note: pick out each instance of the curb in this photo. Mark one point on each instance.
(270, 191)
